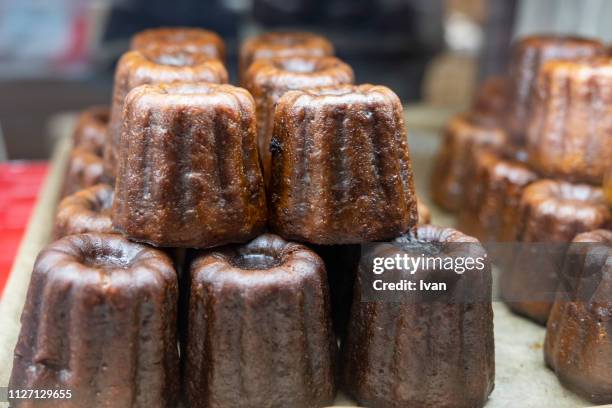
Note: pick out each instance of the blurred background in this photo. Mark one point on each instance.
(59, 55)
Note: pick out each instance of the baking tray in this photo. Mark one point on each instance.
(521, 380)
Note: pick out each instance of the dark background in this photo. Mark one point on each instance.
(51, 62)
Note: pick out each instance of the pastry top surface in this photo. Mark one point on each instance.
(194, 40)
(298, 72)
(268, 260)
(286, 44)
(104, 261)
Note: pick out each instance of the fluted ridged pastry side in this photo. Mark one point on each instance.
(85, 169)
(570, 131)
(153, 67)
(578, 344)
(269, 79)
(432, 350)
(492, 195)
(553, 212)
(91, 128)
(100, 320)
(259, 330)
(528, 55)
(341, 170)
(189, 174)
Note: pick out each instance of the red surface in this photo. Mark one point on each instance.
(19, 186)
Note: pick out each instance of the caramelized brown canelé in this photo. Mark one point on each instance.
(282, 44)
(463, 135)
(341, 170)
(570, 131)
(99, 320)
(87, 210)
(553, 212)
(188, 173)
(493, 194)
(528, 55)
(578, 344)
(259, 332)
(269, 79)
(181, 39)
(85, 169)
(154, 66)
(429, 349)
(91, 129)
(493, 96)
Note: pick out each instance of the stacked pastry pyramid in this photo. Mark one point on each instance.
(226, 223)
(526, 165)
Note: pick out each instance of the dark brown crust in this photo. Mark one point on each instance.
(152, 67)
(100, 320)
(189, 39)
(492, 196)
(570, 132)
(578, 344)
(554, 212)
(269, 79)
(188, 173)
(493, 96)
(85, 169)
(283, 44)
(91, 128)
(341, 170)
(528, 55)
(463, 135)
(259, 332)
(422, 354)
(85, 211)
